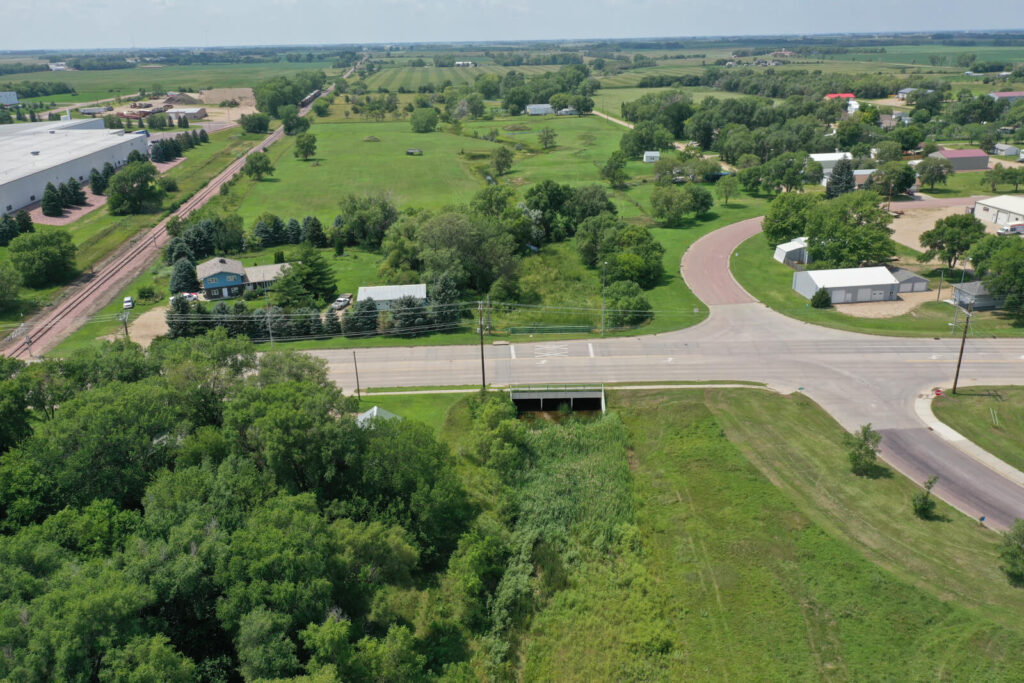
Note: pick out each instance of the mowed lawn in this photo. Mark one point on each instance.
(992, 417)
(772, 283)
(758, 556)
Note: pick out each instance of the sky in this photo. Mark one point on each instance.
(73, 24)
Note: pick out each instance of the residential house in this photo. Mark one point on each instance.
(974, 294)
(224, 278)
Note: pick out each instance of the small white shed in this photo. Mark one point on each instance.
(794, 251)
(849, 285)
(652, 157)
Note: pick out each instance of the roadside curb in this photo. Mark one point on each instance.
(923, 408)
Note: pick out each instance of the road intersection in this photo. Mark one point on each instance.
(857, 378)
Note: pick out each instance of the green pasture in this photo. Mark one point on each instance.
(992, 417)
(96, 85)
(754, 554)
(771, 283)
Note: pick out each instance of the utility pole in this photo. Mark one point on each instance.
(963, 340)
(603, 266)
(270, 327)
(942, 276)
(356, 366)
(124, 319)
(483, 372)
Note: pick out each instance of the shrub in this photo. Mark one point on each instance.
(146, 293)
(922, 502)
(821, 299)
(167, 184)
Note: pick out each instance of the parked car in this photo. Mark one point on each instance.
(128, 304)
(341, 302)
(188, 296)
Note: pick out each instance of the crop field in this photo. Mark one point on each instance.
(947, 54)
(412, 77)
(96, 85)
(745, 515)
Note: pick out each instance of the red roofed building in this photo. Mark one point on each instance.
(964, 159)
(840, 95)
(1008, 95)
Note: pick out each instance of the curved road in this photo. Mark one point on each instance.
(857, 378)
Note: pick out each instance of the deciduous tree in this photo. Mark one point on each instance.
(951, 238)
(257, 165)
(305, 146)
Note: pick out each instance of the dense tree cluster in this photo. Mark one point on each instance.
(202, 235)
(133, 189)
(12, 226)
(280, 91)
(43, 259)
(169, 149)
(196, 512)
(67, 195)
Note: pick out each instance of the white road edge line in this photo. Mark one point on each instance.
(512, 350)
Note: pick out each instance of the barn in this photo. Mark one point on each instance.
(849, 285)
(964, 159)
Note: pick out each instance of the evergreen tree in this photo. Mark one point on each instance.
(52, 204)
(841, 181)
(203, 135)
(183, 277)
(332, 325)
(108, 172)
(361, 319)
(444, 295)
(75, 192)
(313, 232)
(178, 318)
(317, 279)
(292, 232)
(97, 182)
(289, 291)
(24, 222)
(8, 230)
(66, 196)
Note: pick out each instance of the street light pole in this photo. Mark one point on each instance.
(603, 265)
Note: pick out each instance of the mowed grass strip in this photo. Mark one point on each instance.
(992, 417)
(771, 283)
(727, 578)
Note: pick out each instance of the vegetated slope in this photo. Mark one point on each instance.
(992, 417)
(721, 576)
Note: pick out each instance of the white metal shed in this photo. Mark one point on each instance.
(849, 285)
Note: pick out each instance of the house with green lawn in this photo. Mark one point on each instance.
(224, 278)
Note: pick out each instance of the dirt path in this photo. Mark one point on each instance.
(145, 328)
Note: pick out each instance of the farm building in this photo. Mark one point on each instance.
(34, 154)
(1002, 210)
(964, 159)
(849, 285)
(464, 64)
(223, 278)
(860, 176)
(968, 293)
(1010, 95)
(190, 113)
(1004, 150)
(828, 160)
(794, 251)
(652, 157)
(539, 109)
(93, 111)
(840, 96)
(8, 98)
(387, 295)
(909, 280)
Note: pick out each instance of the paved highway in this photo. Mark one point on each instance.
(857, 378)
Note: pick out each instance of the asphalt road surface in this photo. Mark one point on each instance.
(857, 378)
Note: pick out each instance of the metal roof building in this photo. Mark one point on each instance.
(539, 109)
(1002, 210)
(975, 294)
(386, 295)
(34, 154)
(828, 160)
(964, 159)
(849, 285)
(8, 98)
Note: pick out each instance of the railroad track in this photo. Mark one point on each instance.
(51, 327)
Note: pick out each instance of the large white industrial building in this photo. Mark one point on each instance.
(34, 154)
(1002, 210)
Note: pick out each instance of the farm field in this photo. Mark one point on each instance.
(728, 536)
(609, 100)
(412, 77)
(96, 85)
(992, 417)
(772, 283)
(946, 54)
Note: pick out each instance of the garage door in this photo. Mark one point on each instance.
(864, 294)
(1002, 218)
(878, 295)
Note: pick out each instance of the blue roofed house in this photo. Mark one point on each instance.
(224, 278)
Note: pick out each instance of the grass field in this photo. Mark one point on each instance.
(412, 77)
(96, 85)
(731, 577)
(772, 283)
(992, 417)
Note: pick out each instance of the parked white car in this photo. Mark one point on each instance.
(188, 296)
(128, 303)
(341, 302)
